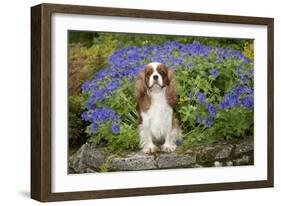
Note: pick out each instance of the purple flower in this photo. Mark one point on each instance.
(190, 65)
(178, 142)
(90, 105)
(231, 100)
(214, 72)
(209, 122)
(208, 105)
(245, 78)
(247, 102)
(222, 105)
(115, 128)
(86, 87)
(212, 110)
(113, 85)
(95, 87)
(95, 128)
(199, 119)
(242, 90)
(85, 116)
(251, 73)
(201, 97)
(103, 114)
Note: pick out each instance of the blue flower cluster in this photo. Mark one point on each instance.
(228, 53)
(212, 110)
(214, 72)
(102, 116)
(210, 120)
(201, 97)
(238, 98)
(126, 63)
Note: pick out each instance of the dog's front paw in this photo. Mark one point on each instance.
(168, 147)
(149, 149)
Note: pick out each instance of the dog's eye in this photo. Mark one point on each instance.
(162, 73)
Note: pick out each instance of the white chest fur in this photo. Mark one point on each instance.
(158, 119)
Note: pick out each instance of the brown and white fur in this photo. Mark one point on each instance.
(156, 96)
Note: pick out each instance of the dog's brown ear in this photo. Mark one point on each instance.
(171, 92)
(140, 87)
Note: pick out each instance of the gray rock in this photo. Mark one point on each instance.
(244, 160)
(173, 160)
(93, 157)
(224, 153)
(198, 166)
(76, 161)
(133, 162)
(218, 164)
(208, 154)
(229, 163)
(71, 170)
(243, 148)
(87, 159)
(89, 170)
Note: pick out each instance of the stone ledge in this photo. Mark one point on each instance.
(133, 162)
(90, 159)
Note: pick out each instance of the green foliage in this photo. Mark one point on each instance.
(88, 39)
(76, 125)
(249, 50)
(124, 104)
(85, 61)
(84, 38)
(231, 122)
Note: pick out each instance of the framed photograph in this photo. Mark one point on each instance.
(130, 102)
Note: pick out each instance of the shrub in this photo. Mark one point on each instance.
(249, 50)
(87, 39)
(215, 93)
(85, 61)
(76, 126)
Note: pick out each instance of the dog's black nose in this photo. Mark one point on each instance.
(155, 77)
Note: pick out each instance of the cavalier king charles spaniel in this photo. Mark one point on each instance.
(155, 92)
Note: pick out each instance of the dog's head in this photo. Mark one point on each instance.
(157, 75)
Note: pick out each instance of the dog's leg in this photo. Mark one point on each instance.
(169, 145)
(170, 140)
(146, 143)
